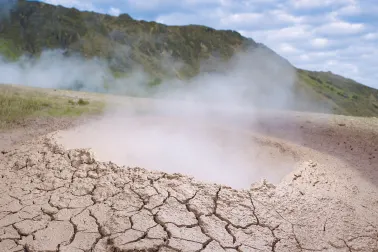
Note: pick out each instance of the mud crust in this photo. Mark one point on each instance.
(54, 199)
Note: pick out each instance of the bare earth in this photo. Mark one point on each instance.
(54, 199)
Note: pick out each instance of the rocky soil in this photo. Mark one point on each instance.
(53, 199)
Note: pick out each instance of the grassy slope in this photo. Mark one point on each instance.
(349, 96)
(17, 103)
(125, 42)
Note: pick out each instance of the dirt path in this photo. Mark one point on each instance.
(53, 199)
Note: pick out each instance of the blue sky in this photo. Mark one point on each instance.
(336, 35)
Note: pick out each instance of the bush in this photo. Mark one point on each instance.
(155, 82)
(82, 102)
(342, 94)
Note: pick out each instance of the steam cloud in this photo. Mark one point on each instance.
(53, 70)
(255, 78)
(198, 127)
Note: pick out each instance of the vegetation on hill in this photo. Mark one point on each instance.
(35, 26)
(128, 44)
(350, 97)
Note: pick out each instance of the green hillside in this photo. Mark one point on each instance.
(125, 43)
(349, 96)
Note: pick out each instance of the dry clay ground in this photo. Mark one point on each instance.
(54, 199)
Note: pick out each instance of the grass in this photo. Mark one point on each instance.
(17, 104)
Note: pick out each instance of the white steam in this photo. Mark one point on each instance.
(199, 127)
(53, 70)
(255, 78)
(208, 147)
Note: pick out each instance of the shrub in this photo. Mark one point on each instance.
(82, 102)
(342, 94)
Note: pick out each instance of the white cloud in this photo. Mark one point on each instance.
(340, 28)
(371, 36)
(145, 5)
(292, 33)
(310, 4)
(358, 8)
(114, 11)
(352, 9)
(259, 20)
(287, 48)
(238, 18)
(285, 16)
(320, 42)
(304, 57)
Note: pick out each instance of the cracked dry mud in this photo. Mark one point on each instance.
(53, 199)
